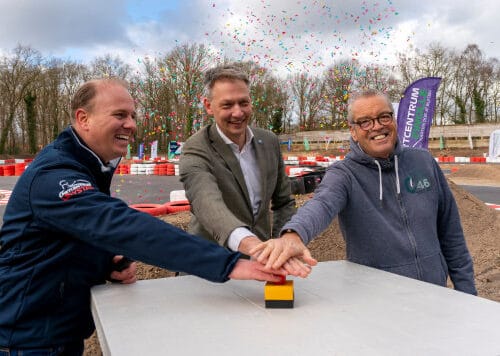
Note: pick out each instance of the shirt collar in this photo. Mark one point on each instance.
(249, 136)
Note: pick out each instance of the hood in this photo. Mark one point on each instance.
(358, 155)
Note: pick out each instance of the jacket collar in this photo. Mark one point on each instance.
(358, 155)
(110, 166)
(69, 138)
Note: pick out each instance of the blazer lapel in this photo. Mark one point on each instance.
(263, 161)
(228, 156)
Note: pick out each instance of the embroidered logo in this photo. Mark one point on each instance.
(417, 184)
(75, 188)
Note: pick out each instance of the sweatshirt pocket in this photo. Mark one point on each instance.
(434, 269)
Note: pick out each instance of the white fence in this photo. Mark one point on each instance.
(482, 131)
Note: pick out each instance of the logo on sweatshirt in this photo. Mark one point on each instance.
(417, 184)
(71, 189)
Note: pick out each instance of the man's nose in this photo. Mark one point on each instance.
(237, 111)
(377, 125)
(130, 122)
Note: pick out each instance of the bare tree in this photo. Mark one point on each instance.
(307, 91)
(154, 96)
(184, 68)
(109, 66)
(17, 73)
(436, 61)
(269, 96)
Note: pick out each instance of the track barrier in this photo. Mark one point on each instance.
(295, 165)
(171, 207)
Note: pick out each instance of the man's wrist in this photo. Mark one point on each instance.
(288, 231)
(247, 243)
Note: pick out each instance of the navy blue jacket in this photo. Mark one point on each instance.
(61, 229)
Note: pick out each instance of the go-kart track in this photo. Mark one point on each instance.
(152, 183)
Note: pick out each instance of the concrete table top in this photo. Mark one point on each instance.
(342, 308)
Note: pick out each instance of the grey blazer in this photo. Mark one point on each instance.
(216, 188)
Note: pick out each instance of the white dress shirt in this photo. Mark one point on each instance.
(248, 163)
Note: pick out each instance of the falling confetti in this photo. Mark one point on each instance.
(302, 35)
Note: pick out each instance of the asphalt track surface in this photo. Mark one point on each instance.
(136, 189)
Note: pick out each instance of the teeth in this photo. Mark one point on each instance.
(122, 137)
(379, 137)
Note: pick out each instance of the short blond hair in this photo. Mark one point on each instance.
(223, 72)
(88, 90)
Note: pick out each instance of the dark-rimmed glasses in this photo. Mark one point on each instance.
(366, 123)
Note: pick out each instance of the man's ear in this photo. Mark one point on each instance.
(208, 106)
(353, 133)
(82, 118)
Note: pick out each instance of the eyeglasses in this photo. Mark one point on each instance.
(367, 123)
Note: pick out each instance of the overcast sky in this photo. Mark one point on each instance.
(283, 35)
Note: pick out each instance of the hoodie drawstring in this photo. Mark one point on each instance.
(379, 179)
(396, 167)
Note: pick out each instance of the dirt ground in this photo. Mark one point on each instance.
(481, 226)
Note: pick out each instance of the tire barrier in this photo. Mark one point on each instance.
(295, 165)
(178, 206)
(152, 209)
(312, 160)
(15, 169)
(476, 159)
(158, 169)
(8, 170)
(19, 168)
(163, 209)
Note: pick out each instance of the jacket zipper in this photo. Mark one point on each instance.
(411, 238)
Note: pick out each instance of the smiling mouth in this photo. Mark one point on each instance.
(122, 137)
(380, 137)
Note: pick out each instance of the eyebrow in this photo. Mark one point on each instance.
(363, 118)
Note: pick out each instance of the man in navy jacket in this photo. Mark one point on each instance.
(63, 233)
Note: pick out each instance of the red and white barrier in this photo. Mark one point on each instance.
(295, 165)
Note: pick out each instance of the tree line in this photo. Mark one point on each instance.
(35, 92)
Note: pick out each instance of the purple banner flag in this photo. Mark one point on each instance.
(415, 112)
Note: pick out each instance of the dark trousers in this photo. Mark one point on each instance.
(72, 349)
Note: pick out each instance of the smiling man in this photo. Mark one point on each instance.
(233, 174)
(63, 233)
(395, 209)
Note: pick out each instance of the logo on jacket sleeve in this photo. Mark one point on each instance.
(69, 190)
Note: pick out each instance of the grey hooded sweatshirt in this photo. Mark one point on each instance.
(396, 214)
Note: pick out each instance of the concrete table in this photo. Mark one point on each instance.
(342, 308)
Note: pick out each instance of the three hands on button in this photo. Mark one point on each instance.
(271, 261)
(287, 252)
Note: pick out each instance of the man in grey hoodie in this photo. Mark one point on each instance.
(395, 208)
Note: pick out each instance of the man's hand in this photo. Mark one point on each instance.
(247, 269)
(248, 243)
(292, 266)
(283, 252)
(125, 275)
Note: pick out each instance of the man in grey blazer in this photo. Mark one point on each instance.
(233, 174)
